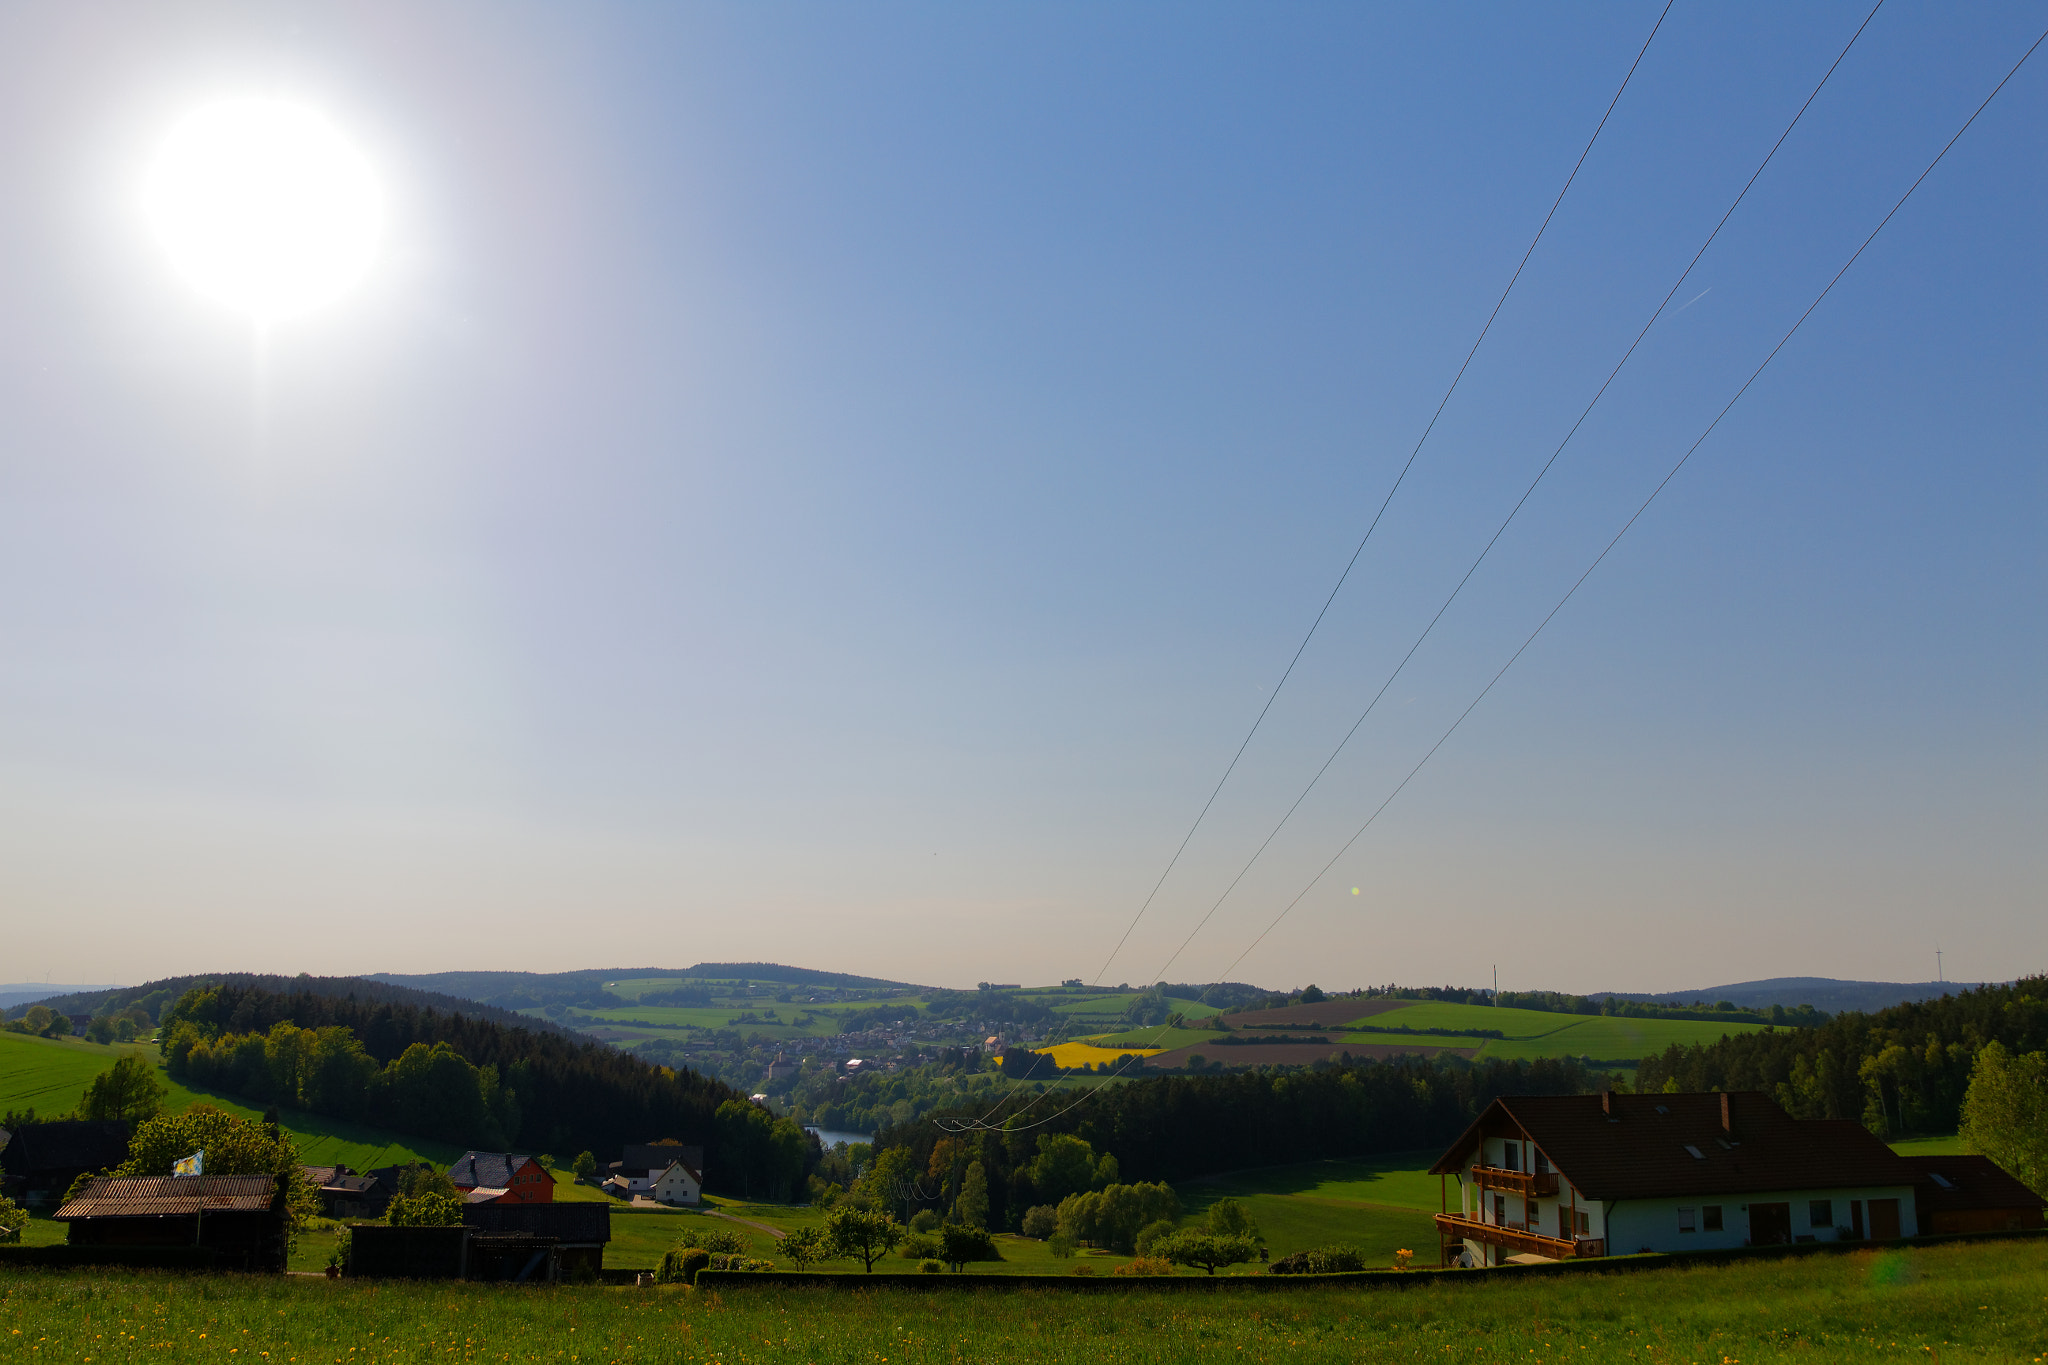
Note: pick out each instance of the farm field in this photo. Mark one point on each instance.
(50, 1074)
(1605, 1038)
(1980, 1303)
(1158, 1038)
(1090, 1054)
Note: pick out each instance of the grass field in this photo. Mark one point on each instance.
(50, 1074)
(1978, 1303)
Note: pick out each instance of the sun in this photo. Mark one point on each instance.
(265, 207)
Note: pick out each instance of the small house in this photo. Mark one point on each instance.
(1971, 1194)
(677, 1185)
(241, 1218)
(1557, 1176)
(514, 1179)
(644, 1164)
(344, 1194)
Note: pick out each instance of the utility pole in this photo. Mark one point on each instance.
(1496, 986)
(1937, 964)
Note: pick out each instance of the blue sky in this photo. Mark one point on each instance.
(834, 484)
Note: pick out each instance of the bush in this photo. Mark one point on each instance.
(1150, 1234)
(679, 1265)
(963, 1244)
(425, 1211)
(1041, 1221)
(924, 1220)
(1145, 1265)
(717, 1241)
(1206, 1249)
(920, 1246)
(930, 1267)
(1331, 1260)
(1084, 1269)
(13, 1218)
(1062, 1245)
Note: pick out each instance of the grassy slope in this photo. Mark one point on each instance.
(1930, 1146)
(51, 1073)
(1965, 1302)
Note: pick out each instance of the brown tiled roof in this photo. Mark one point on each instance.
(1968, 1182)
(158, 1196)
(1656, 1146)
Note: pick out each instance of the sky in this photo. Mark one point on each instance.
(836, 485)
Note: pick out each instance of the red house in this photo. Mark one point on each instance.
(502, 1178)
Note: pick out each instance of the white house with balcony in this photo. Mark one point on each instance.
(1552, 1177)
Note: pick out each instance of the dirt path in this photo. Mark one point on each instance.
(771, 1230)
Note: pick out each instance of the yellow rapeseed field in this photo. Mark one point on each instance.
(1087, 1054)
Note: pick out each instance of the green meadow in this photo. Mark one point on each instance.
(1980, 1302)
(50, 1074)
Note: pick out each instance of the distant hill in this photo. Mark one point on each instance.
(29, 992)
(1822, 992)
(534, 990)
(153, 996)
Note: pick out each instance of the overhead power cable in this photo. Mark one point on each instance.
(1671, 474)
(1522, 501)
(1399, 479)
(1662, 484)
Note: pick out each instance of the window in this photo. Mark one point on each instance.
(1710, 1218)
(1696, 1153)
(1820, 1213)
(1512, 1159)
(1543, 1163)
(1584, 1223)
(1686, 1221)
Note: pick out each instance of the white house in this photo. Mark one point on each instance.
(677, 1185)
(1556, 1176)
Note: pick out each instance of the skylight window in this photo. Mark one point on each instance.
(1697, 1154)
(1663, 1108)
(1940, 1180)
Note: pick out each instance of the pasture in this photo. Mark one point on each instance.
(50, 1074)
(1973, 1302)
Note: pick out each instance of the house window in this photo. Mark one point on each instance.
(1582, 1223)
(1542, 1163)
(1687, 1221)
(1710, 1217)
(1820, 1213)
(1512, 1160)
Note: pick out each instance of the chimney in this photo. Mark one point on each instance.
(1607, 1103)
(1727, 1115)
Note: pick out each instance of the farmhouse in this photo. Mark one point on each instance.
(1558, 1176)
(650, 1168)
(344, 1194)
(510, 1178)
(239, 1217)
(1971, 1194)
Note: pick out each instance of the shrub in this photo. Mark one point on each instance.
(13, 1218)
(1084, 1269)
(425, 1211)
(924, 1220)
(930, 1267)
(920, 1246)
(1150, 1234)
(344, 1247)
(1206, 1249)
(717, 1241)
(1062, 1245)
(679, 1265)
(1330, 1260)
(805, 1247)
(1145, 1265)
(1041, 1221)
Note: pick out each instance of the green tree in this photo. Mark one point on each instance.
(1205, 1249)
(971, 1208)
(1232, 1218)
(13, 1218)
(866, 1235)
(959, 1245)
(128, 1090)
(2005, 1113)
(1064, 1165)
(100, 1029)
(418, 1180)
(892, 1179)
(806, 1247)
(584, 1166)
(41, 1020)
(425, 1210)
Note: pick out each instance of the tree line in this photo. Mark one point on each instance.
(469, 1081)
(1900, 1070)
(1174, 1127)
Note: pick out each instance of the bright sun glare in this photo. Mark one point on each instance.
(265, 207)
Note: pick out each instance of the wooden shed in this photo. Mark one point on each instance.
(240, 1218)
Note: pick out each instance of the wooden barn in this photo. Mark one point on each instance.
(240, 1218)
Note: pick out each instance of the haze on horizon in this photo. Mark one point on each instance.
(834, 485)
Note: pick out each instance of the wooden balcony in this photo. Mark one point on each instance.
(1452, 1225)
(1517, 1182)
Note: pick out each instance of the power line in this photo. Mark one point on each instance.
(1516, 510)
(1637, 514)
(1599, 559)
(1384, 503)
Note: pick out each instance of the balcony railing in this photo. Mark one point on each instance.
(1519, 1182)
(1557, 1248)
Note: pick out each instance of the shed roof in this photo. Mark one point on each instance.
(577, 1222)
(170, 1196)
(492, 1169)
(1613, 1146)
(1954, 1183)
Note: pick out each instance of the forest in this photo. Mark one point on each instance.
(470, 1081)
(1174, 1127)
(1900, 1070)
